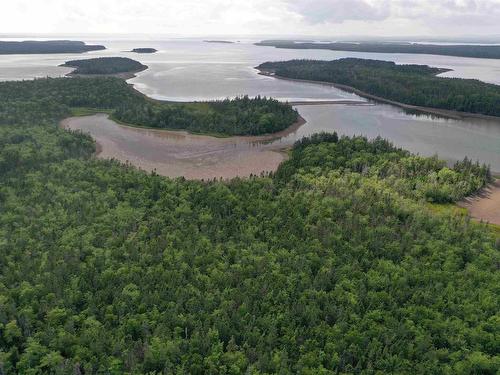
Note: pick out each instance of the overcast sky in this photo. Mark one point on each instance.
(238, 17)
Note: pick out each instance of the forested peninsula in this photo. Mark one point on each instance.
(465, 50)
(413, 85)
(105, 66)
(46, 47)
(47, 100)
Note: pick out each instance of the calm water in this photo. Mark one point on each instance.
(427, 135)
(187, 70)
(176, 154)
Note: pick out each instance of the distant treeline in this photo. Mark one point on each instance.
(44, 101)
(105, 65)
(415, 85)
(50, 46)
(464, 50)
(219, 41)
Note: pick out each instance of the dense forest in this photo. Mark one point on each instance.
(50, 46)
(334, 265)
(105, 65)
(44, 101)
(415, 85)
(465, 50)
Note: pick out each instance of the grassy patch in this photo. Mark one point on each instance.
(447, 209)
(451, 209)
(78, 112)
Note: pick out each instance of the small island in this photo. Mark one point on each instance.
(144, 50)
(219, 41)
(121, 67)
(46, 47)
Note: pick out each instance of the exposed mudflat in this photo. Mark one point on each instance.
(178, 153)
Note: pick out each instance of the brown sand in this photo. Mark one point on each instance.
(486, 204)
(179, 153)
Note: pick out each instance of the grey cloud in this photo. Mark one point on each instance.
(460, 16)
(338, 11)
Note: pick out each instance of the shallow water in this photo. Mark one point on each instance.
(450, 139)
(189, 69)
(176, 154)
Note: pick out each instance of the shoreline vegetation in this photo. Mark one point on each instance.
(405, 86)
(239, 116)
(465, 50)
(456, 115)
(46, 47)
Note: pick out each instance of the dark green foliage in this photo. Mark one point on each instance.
(105, 65)
(410, 175)
(43, 101)
(240, 116)
(108, 270)
(24, 147)
(50, 46)
(410, 84)
(332, 266)
(466, 50)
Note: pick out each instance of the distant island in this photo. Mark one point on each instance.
(219, 41)
(144, 50)
(122, 67)
(46, 47)
(415, 87)
(465, 50)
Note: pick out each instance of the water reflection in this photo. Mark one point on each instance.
(192, 70)
(174, 154)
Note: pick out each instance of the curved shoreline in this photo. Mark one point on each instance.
(329, 102)
(123, 75)
(132, 74)
(181, 154)
(456, 115)
(182, 132)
